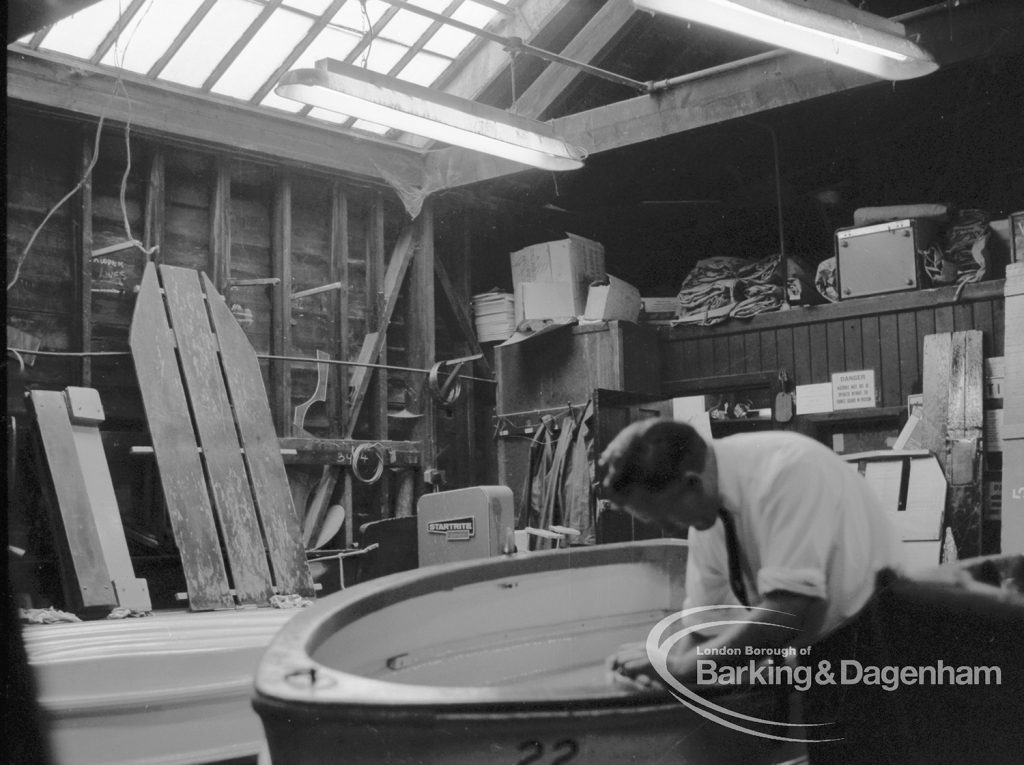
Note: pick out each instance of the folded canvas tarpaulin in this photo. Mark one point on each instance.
(722, 287)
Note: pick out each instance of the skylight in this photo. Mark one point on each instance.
(241, 48)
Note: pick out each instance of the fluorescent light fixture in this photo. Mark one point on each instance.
(361, 93)
(827, 29)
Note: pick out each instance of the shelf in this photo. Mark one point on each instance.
(856, 415)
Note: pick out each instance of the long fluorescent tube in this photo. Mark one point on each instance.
(360, 93)
(826, 29)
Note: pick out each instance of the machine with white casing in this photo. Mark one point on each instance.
(463, 524)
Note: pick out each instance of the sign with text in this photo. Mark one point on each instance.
(853, 390)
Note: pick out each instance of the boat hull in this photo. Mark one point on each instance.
(172, 688)
(499, 660)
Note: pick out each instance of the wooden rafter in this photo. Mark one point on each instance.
(606, 27)
(747, 87)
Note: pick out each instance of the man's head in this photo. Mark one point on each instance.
(662, 472)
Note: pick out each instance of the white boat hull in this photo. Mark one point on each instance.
(173, 688)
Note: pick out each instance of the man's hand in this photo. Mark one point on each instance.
(630, 668)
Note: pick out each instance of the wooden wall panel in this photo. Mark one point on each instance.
(251, 216)
(871, 352)
(784, 343)
(818, 338)
(42, 166)
(119, 183)
(188, 200)
(314, 318)
(889, 359)
(835, 347)
(801, 373)
(885, 334)
(752, 352)
(769, 351)
(208, 210)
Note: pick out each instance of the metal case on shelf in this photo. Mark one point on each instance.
(881, 258)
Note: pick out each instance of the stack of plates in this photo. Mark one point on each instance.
(494, 314)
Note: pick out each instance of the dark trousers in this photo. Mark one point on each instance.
(857, 715)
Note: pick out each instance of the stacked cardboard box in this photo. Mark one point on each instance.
(494, 316)
(552, 279)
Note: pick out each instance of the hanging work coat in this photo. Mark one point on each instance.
(578, 500)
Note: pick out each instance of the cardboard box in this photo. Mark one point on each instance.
(912, 487)
(545, 300)
(615, 301)
(574, 261)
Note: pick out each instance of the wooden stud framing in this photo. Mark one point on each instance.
(153, 233)
(83, 244)
(337, 403)
(421, 335)
(219, 266)
(281, 333)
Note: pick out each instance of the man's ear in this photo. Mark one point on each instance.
(692, 481)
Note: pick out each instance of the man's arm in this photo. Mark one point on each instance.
(767, 629)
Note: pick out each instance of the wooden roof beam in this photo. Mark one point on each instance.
(753, 85)
(605, 29)
(59, 82)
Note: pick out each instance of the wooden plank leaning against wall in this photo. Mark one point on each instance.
(262, 231)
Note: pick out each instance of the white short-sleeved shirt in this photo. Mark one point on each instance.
(807, 523)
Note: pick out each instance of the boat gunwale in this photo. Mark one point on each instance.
(291, 651)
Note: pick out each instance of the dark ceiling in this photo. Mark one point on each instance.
(952, 137)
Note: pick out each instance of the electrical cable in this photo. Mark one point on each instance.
(85, 176)
(357, 456)
(266, 356)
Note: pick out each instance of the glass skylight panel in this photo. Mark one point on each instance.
(370, 127)
(149, 34)
(316, 7)
(474, 14)
(406, 27)
(332, 42)
(437, 6)
(210, 41)
(328, 116)
(449, 41)
(381, 55)
(275, 101)
(424, 68)
(80, 34)
(264, 53)
(351, 14)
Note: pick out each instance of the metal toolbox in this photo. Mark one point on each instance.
(881, 258)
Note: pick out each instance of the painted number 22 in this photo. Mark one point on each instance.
(564, 751)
